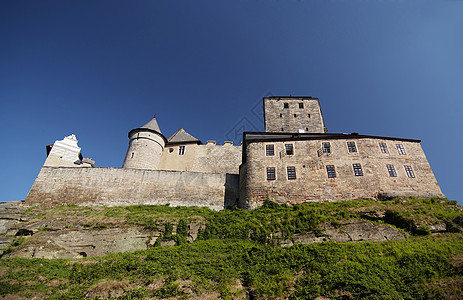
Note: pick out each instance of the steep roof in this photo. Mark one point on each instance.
(182, 137)
(153, 125)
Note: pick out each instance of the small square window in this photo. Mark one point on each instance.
(357, 169)
(291, 172)
(401, 149)
(181, 150)
(409, 171)
(269, 150)
(271, 173)
(286, 105)
(383, 147)
(301, 105)
(391, 170)
(330, 170)
(351, 147)
(326, 147)
(289, 149)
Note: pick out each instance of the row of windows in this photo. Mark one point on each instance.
(286, 105)
(295, 115)
(331, 171)
(326, 148)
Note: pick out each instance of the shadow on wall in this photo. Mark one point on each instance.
(231, 190)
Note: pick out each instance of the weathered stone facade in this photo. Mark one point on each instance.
(120, 187)
(209, 158)
(293, 114)
(311, 182)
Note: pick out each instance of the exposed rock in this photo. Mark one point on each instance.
(441, 227)
(351, 231)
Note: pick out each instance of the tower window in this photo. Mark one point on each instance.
(295, 115)
(131, 155)
(351, 147)
(281, 115)
(181, 150)
(357, 169)
(383, 147)
(301, 105)
(308, 116)
(291, 172)
(326, 147)
(271, 173)
(330, 170)
(401, 149)
(269, 150)
(282, 129)
(391, 170)
(409, 171)
(289, 149)
(286, 105)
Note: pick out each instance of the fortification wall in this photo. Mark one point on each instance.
(209, 158)
(119, 187)
(312, 182)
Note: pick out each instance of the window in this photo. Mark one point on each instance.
(383, 147)
(282, 129)
(295, 115)
(330, 170)
(271, 173)
(301, 105)
(391, 170)
(132, 155)
(281, 115)
(181, 150)
(326, 147)
(357, 170)
(409, 171)
(401, 149)
(351, 147)
(308, 116)
(291, 172)
(286, 105)
(269, 150)
(289, 149)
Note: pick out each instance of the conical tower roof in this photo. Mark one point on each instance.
(182, 137)
(153, 125)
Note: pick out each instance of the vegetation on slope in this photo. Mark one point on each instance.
(234, 256)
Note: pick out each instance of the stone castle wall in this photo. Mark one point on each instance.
(312, 182)
(209, 158)
(119, 187)
(293, 118)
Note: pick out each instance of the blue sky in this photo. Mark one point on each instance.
(100, 68)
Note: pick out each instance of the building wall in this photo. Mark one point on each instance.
(144, 151)
(313, 184)
(293, 118)
(116, 187)
(209, 158)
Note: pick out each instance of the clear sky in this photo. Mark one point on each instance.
(100, 68)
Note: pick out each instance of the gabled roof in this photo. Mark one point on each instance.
(182, 137)
(153, 125)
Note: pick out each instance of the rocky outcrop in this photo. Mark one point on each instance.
(353, 230)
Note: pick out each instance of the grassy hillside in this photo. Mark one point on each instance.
(237, 254)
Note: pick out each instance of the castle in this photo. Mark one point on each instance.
(294, 161)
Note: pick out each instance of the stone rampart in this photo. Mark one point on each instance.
(119, 187)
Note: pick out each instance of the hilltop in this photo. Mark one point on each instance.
(396, 248)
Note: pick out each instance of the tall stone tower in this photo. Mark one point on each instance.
(146, 144)
(293, 114)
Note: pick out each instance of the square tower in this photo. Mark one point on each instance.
(293, 114)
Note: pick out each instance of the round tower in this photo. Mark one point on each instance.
(146, 144)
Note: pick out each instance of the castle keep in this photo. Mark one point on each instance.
(294, 161)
